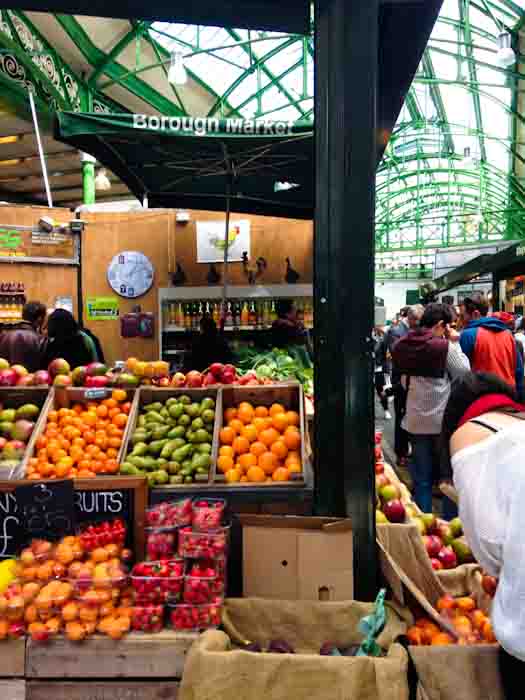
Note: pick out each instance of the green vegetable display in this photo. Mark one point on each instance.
(279, 365)
(172, 442)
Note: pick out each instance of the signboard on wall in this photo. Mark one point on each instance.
(102, 308)
(33, 245)
(210, 240)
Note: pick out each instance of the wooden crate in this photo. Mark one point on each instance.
(14, 397)
(291, 396)
(13, 659)
(144, 656)
(64, 398)
(147, 395)
(13, 690)
(99, 690)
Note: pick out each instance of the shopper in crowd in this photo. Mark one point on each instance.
(484, 439)
(24, 343)
(429, 359)
(409, 319)
(286, 329)
(67, 341)
(96, 348)
(489, 344)
(209, 346)
(381, 369)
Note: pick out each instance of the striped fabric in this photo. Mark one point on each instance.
(428, 396)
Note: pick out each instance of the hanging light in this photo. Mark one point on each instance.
(505, 56)
(467, 160)
(102, 181)
(177, 74)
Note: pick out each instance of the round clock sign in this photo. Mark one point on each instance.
(130, 274)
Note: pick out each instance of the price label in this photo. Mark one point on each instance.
(94, 394)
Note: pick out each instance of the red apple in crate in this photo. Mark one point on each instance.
(41, 378)
(20, 370)
(8, 377)
(394, 511)
(433, 545)
(436, 564)
(164, 381)
(3, 442)
(444, 531)
(194, 379)
(26, 380)
(489, 585)
(62, 380)
(448, 558)
(380, 467)
(59, 366)
(178, 379)
(390, 492)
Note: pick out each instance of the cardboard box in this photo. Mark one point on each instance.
(297, 558)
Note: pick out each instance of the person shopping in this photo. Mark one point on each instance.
(67, 341)
(381, 369)
(430, 359)
(24, 343)
(483, 445)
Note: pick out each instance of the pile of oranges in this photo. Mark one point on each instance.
(471, 624)
(259, 444)
(82, 441)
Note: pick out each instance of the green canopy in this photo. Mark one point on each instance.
(263, 166)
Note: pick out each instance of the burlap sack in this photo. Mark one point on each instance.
(214, 670)
(404, 545)
(457, 672)
(466, 580)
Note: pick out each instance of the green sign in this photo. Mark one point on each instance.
(102, 308)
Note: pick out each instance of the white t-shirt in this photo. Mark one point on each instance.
(490, 479)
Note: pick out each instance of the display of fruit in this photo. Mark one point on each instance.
(471, 625)
(172, 441)
(101, 534)
(489, 584)
(161, 543)
(147, 618)
(63, 588)
(208, 514)
(199, 545)
(170, 514)
(156, 582)
(195, 617)
(16, 427)
(82, 441)
(260, 444)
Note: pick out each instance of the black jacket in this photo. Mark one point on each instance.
(72, 349)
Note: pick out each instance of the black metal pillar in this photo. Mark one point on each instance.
(346, 152)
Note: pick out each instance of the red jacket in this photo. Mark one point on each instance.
(22, 345)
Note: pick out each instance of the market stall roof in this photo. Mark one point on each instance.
(266, 165)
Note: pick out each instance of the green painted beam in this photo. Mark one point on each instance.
(115, 52)
(464, 16)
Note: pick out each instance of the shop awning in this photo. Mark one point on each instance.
(265, 166)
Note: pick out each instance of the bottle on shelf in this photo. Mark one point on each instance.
(198, 315)
(273, 312)
(217, 314)
(179, 316)
(252, 316)
(228, 321)
(266, 314)
(259, 308)
(236, 314)
(245, 314)
(187, 316)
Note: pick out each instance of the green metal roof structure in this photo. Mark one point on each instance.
(453, 172)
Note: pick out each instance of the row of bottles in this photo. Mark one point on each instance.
(253, 313)
(12, 300)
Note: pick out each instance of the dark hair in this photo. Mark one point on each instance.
(476, 302)
(404, 311)
(434, 313)
(284, 306)
(471, 387)
(33, 311)
(61, 324)
(208, 325)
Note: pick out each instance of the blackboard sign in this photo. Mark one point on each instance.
(45, 511)
(95, 500)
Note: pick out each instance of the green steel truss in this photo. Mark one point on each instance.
(453, 172)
